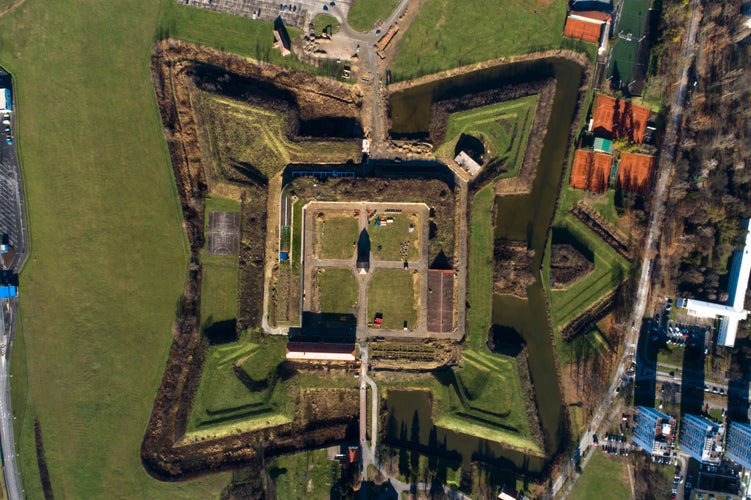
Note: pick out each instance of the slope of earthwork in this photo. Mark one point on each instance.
(182, 74)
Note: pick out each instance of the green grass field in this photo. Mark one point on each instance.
(95, 327)
(218, 289)
(325, 22)
(392, 293)
(503, 128)
(338, 236)
(603, 477)
(480, 286)
(363, 14)
(249, 135)
(445, 35)
(338, 290)
(386, 239)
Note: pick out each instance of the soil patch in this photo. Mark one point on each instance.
(512, 261)
(567, 265)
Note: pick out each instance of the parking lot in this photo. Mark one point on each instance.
(294, 13)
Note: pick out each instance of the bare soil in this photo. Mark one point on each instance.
(603, 228)
(567, 265)
(411, 355)
(512, 261)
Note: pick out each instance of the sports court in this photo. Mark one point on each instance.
(635, 172)
(591, 171)
(224, 233)
(617, 119)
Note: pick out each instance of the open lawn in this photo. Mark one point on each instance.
(445, 35)
(218, 290)
(325, 22)
(503, 128)
(246, 137)
(95, 326)
(363, 14)
(395, 241)
(309, 474)
(604, 477)
(392, 293)
(338, 290)
(338, 236)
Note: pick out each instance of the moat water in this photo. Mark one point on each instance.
(523, 217)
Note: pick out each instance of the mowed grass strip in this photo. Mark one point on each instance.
(445, 34)
(386, 240)
(95, 326)
(503, 128)
(363, 14)
(338, 235)
(480, 287)
(252, 135)
(392, 293)
(218, 289)
(338, 290)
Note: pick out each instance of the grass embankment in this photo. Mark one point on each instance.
(249, 135)
(325, 23)
(386, 240)
(95, 325)
(603, 477)
(392, 293)
(363, 14)
(338, 236)
(445, 35)
(224, 402)
(338, 290)
(503, 128)
(610, 270)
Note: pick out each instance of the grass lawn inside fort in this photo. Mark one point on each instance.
(338, 289)
(337, 235)
(392, 293)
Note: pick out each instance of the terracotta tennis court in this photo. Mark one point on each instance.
(635, 172)
(618, 118)
(583, 30)
(591, 171)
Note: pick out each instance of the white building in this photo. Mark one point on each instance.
(6, 101)
(732, 313)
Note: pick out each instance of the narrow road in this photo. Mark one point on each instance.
(664, 173)
(11, 473)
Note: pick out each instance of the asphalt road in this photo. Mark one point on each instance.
(10, 468)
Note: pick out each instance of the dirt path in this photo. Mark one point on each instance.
(272, 250)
